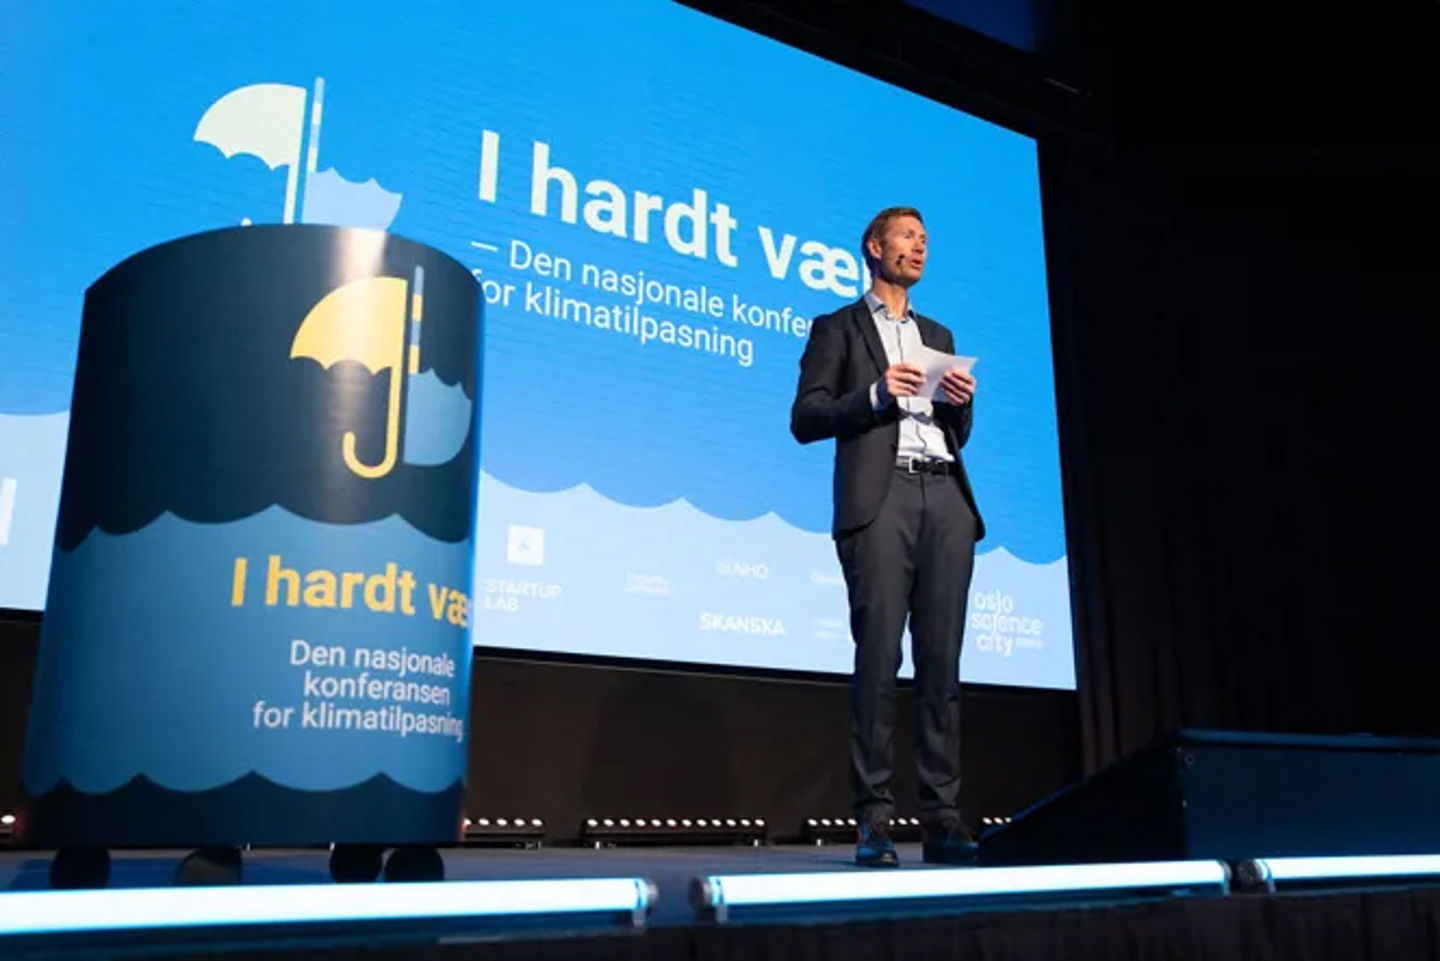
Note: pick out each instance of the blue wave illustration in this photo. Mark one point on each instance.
(674, 583)
(253, 808)
(169, 688)
(638, 578)
(331, 199)
(673, 452)
(437, 420)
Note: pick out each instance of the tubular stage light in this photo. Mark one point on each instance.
(731, 897)
(447, 907)
(1271, 873)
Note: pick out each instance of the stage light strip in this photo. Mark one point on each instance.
(723, 893)
(1340, 868)
(120, 909)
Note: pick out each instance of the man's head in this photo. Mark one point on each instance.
(895, 244)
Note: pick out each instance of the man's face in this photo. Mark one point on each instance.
(901, 250)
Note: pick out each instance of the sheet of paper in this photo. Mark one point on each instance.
(935, 363)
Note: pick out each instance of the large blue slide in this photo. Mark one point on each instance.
(655, 203)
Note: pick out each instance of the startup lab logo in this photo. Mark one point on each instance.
(525, 546)
(268, 120)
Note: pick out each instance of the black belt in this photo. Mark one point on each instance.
(920, 465)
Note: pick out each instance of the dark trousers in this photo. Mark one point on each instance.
(915, 559)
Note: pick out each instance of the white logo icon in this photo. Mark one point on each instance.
(268, 120)
(526, 546)
(729, 567)
(7, 507)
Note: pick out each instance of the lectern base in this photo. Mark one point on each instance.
(78, 868)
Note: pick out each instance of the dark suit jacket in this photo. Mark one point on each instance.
(842, 358)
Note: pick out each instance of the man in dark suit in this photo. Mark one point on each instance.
(905, 528)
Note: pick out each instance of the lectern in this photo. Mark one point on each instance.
(258, 622)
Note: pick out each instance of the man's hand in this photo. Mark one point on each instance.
(902, 380)
(958, 385)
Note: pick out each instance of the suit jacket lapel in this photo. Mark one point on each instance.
(927, 332)
(866, 323)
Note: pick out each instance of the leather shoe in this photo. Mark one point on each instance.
(875, 849)
(953, 846)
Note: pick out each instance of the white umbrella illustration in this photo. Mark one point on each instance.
(268, 121)
(263, 119)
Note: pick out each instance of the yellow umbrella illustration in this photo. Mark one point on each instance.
(363, 321)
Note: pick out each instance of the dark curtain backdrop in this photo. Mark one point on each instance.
(1242, 348)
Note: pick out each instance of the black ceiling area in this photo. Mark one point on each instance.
(1275, 76)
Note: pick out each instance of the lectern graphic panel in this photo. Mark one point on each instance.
(259, 614)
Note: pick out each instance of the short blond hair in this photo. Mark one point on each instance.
(879, 223)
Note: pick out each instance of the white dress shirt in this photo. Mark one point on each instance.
(920, 434)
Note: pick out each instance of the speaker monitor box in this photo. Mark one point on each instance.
(1234, 795)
